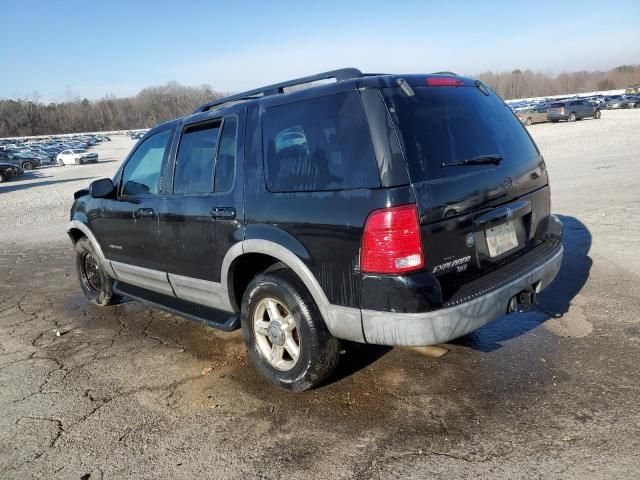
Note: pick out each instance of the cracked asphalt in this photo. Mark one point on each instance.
(132, 392)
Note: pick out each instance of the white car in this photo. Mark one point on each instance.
(76, 157)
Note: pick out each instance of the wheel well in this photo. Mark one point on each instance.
(244, 269)
(75, 234)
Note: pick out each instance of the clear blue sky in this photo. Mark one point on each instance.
(89, 49)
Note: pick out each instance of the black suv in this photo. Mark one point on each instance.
(382, 209)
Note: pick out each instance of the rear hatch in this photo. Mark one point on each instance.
(557, 109)
(478, 216)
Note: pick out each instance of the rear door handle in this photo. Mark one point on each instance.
(228, 213)
(144, 213)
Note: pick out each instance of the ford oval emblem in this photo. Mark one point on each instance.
(506, 183)
(509, 214)
(471, 240)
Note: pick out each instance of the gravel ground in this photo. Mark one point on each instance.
(36, 205)
(131, 392)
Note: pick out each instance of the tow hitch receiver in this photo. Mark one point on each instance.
(523, 301)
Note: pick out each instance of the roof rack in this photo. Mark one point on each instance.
(339, 75)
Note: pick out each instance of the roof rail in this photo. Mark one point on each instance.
(446, 73)
(339, 75)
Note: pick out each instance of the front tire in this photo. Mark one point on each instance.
(27, 166)
(284, 333)
(597, 114)
(2, 177)
(94, 281)
(528, 122)
(572, 117)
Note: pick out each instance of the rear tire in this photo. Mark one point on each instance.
(2, 177)
(284, 333)
(572, 117)
(528, 122)
(27, 166)
(597, 114)
(94, 281)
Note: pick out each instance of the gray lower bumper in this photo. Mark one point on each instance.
(439, 326)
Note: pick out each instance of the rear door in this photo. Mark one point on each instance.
(202, 217)
(472, 216)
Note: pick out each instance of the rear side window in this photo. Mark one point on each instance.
(319, 144)
(196, 155)
(451, 124)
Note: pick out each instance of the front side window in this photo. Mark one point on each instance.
(195, 160)
(319, 144)
(141, 174)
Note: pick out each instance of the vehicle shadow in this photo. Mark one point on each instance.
(356, 357)
(554, 301)
(11, 187)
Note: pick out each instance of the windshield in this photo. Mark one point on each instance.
(452, 124)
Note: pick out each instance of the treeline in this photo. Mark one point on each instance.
(30, 116)
(526, 84)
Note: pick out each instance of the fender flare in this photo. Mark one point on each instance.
(342, 322)
(78, 225)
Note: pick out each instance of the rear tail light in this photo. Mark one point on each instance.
(391, 242)
(444, 82)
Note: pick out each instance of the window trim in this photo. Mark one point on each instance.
(218, 119)
(235, 160)
(171, 129)
(185, 127)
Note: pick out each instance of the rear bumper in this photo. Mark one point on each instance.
(443, 325)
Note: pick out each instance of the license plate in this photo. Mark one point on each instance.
(501, 239)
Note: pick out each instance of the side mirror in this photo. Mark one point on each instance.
(102, 188)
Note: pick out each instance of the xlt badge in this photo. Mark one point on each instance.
(453, 263)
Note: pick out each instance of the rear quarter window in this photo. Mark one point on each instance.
(319, 144)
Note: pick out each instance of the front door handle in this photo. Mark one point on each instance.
(144, 213)
(227, 213)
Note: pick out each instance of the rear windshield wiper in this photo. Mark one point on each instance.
(480, 160)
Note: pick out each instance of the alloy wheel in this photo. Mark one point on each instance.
(276, 333)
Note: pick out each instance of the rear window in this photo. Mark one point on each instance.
(450, 124)
(557, 105)
(319, 144)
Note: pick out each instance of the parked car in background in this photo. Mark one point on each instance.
(572, 110)
(76, 157)
(24, 161)
(533, 115)
(9, 171)
(630, 101)
(613, 102)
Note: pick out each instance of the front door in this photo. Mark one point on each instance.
(202, 217)
(128, 226)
